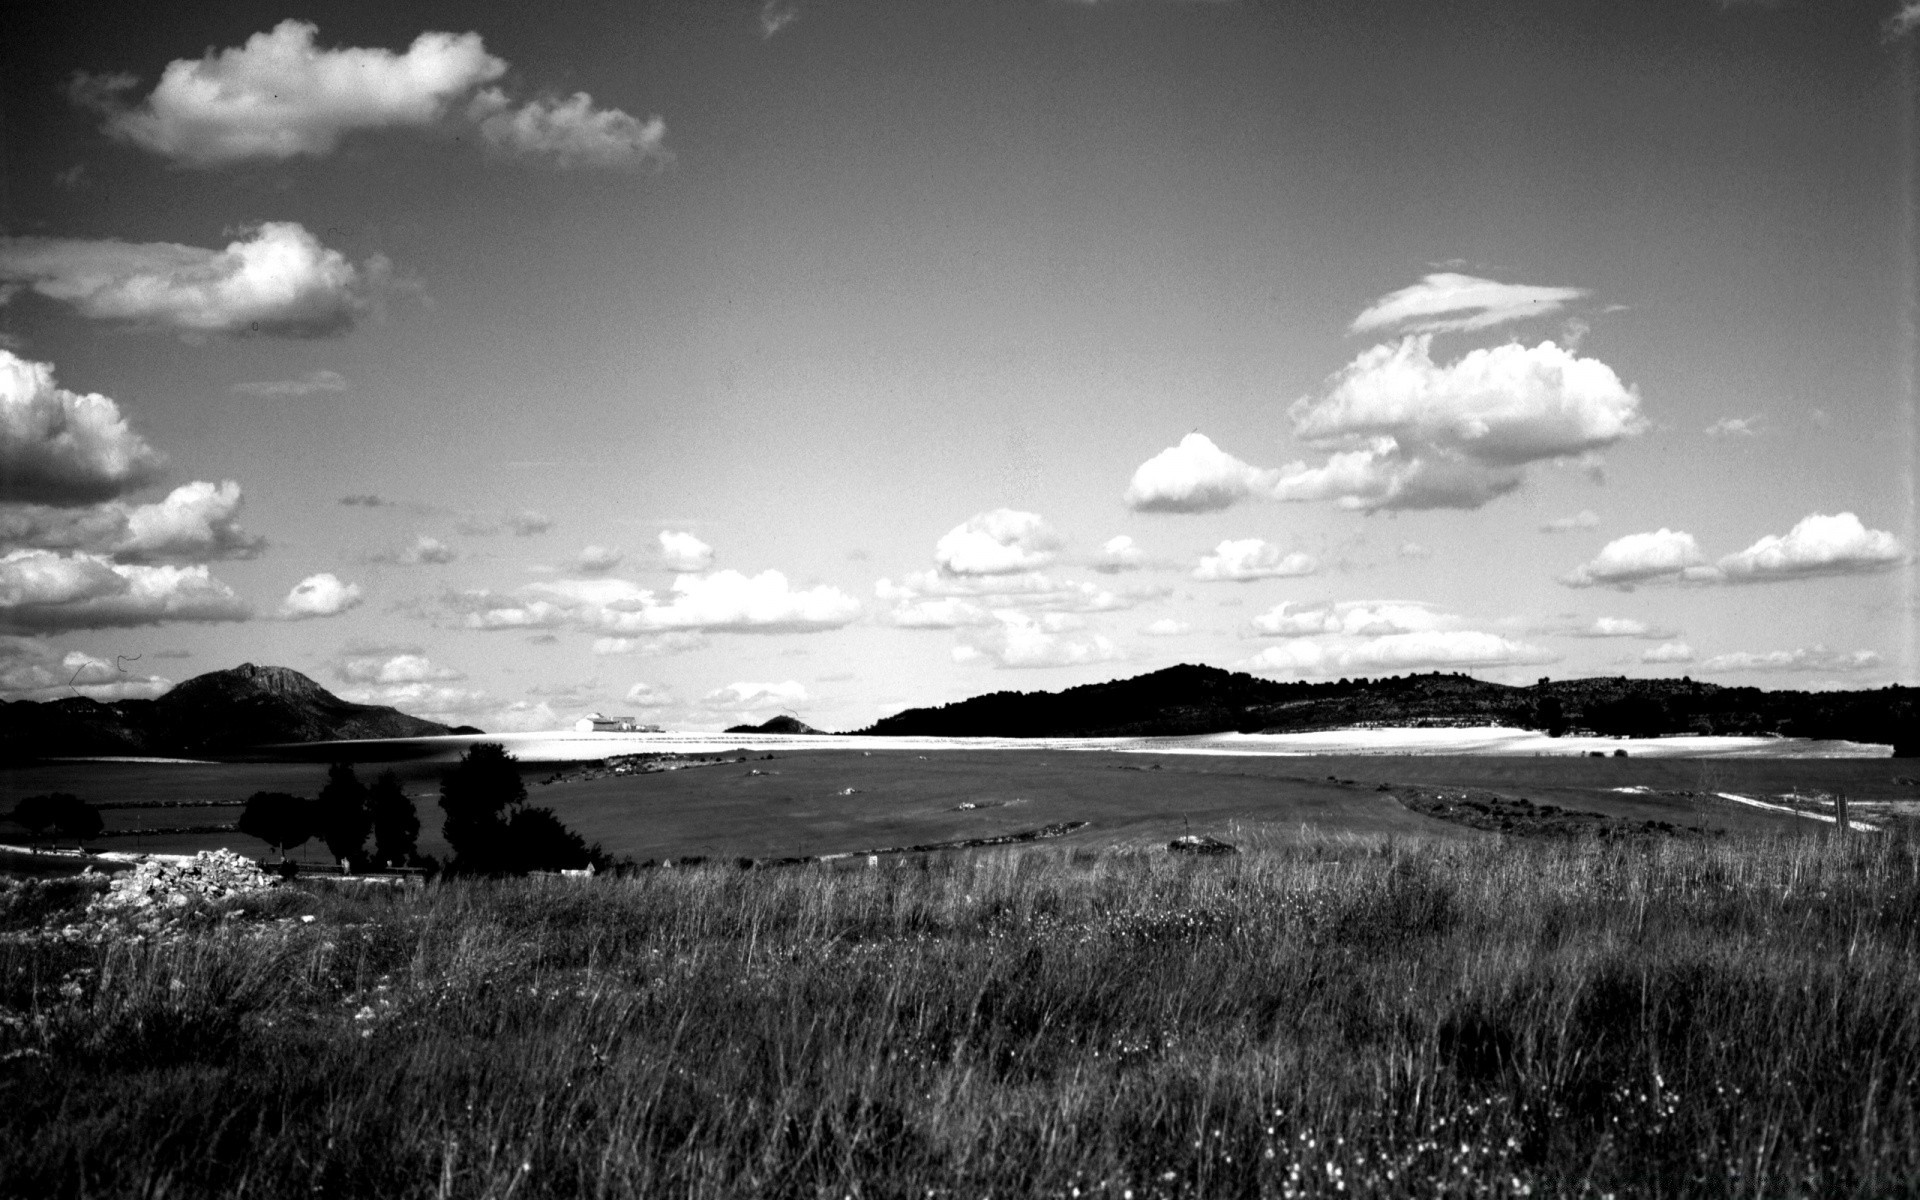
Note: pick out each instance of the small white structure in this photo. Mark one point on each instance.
(595, 723)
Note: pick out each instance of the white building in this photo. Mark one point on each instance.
(595, 723)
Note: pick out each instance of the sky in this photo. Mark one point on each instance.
(702, 362)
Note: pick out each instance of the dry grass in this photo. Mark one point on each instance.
(1355, 1017)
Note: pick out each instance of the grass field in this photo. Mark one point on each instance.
(1353, 1015)
(799, 803)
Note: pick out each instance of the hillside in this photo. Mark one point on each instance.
(1197, 699)
(219, 713)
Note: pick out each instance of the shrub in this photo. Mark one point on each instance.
(340, 815)
(396, 826)
(280, 820)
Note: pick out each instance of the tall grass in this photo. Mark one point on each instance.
(1667, 1018)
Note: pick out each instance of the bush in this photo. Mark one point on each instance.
(396, 826)
(491, 830)
(280, 820)
(340, 816)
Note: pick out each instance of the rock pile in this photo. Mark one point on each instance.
(209, 875)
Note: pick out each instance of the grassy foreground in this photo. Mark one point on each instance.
(1660, 1018)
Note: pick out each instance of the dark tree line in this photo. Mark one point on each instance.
(63, 812)
(343, 816)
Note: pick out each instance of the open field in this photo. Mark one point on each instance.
(845, 801)
(1340, 1017)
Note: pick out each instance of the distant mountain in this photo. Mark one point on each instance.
(780, 724)
(1194, 700)
(219, 713)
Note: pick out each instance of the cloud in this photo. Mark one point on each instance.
(394, 668)
(684, 552)
(1810, 658)
(453, 705)
(1413, 550)
(322, 595)
(1640, 557)
(931, 600)
(1354, 618)
(279, 96)
(598, 558)
(1020, 640)
(1604, 627)
(1196, 476)
(569, 133)
(722, 601)
(62, 447)
(366, 500)
(1904, 19)
(195, 522)
(753, 697)
(1165, 627)
(1000, 541)
(44, 591)
(277, 281)
(1396, 652)
(1586, 518)
(525, 523)
(426, 551)
(1816, 546)
(1447, 301)
(776, 15)
(312, 383)
(1735, 427)
(672, 642)
(646, 695)
(1119, 554)
(32, 670)
(1247, 559)
(1668, 652)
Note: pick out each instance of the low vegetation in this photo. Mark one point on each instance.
(1548, 1017)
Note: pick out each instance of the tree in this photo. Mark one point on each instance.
(280, 820)
(77, 819)
(38, 813)
(539, 841)
(396, 826)
(1551, 716)
(340, 814)
(477, 796)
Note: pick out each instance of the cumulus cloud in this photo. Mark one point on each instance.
(1000, 541)
(195, 522)
(1246, 559)
(569, 133)
(1808, 658)
(525, 523)
(1021, 640)
(44, 591)
(1165, 627)
(684, 552)
(61, 447)
(646, 695)
(426, 551)
(1668, 652)
(277, 281)
(1354, 618)
(313, 383)
(721, 601)
(1396, 652)
(1816, 546)
(932, 600)
(598, 558)
(32, 670)
(1735, 427)
(1904, 19)
(755, 697)
(1119, 554)
(671, 642)
(1196, 476)
(406, 667)
(322, 595)
(1447, 301)
(1586, 518)
(279, 96)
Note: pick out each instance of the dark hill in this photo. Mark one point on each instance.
(220, 713)
(1186, 700)
(780, 724)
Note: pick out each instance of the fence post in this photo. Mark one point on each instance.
(1840, 813)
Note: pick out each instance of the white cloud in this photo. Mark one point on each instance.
(41, 590)
(279, 96)
(392, 668)
(684, 552)
(721, 601)
(1640, 557)
(598, 558)
(1817, 545)
(1119, 554)
(1413, 550)
(1165, 627)
(32, 670)
(1396, 652)
(571, 132)
(525, 523)
(931, 600)
(672, 642)
(278, 280)
(1000, 541)
(1036, 640)
(752, 697)
(1247, 559)
(1809, 658)
(645, 695)
(1196, 476)
(1668, 652)
(426, 551)
(1354, 618)
(1904, 19)
(1586, 518)
(311, 384)
(62, 447)
(322, 595)
(1448, 301)
(1735, 427)
(939, 612)
(195, 522)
